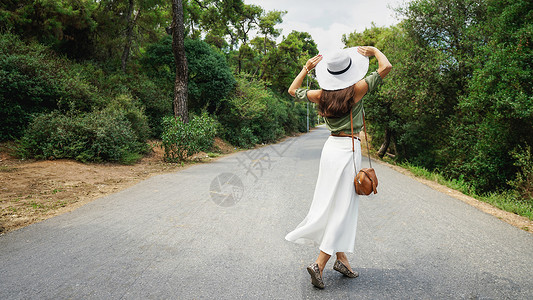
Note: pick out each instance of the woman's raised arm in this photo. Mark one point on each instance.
(384, 64)
(309, 65)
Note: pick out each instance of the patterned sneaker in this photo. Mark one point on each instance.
(316, 278)
(340, 267)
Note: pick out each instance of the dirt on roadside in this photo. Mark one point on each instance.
(32, 191)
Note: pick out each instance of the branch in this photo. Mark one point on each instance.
(200, 4)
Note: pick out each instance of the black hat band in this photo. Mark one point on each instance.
(341, 71)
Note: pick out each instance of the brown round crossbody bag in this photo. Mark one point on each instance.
(365, 180)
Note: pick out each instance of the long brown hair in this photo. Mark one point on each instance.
(334, 104)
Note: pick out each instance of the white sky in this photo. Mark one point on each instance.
(328, 20)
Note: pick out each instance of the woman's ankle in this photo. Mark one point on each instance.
(321, 265)
(342, 256)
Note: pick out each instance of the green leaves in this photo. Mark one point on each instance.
(281, 65)
(254, 114)
(210, 78)
(459, 96)
(35, 80)
(498, 102)
(181, 140)
(98, 136)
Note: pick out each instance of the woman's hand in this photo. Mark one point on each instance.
(312, 62)
(309, 65)
(367, 50)
(384, 64)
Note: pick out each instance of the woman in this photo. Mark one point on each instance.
(332, 218)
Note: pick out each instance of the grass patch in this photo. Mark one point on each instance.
(9, 147)
(60, 203)
(6, 169)
(36, 205)
(131, 158)
(506, 200)
(213, 154)
(509, 201)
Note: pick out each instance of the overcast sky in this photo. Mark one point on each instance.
(328, 20)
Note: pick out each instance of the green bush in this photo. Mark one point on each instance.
(66, 25)
(152, 94)
(156, 99)
(134, 113)
(91, 137)
(297, 117)
(181, 140)
(254, 114)
(242, 137)
(34, 80)
(210, 78)
(523, 182)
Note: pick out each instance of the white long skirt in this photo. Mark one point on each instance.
(331, 221)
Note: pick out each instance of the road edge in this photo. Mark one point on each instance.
(513, 219)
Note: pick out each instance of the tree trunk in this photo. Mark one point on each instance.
(129, 34)
(386, 143)
(180, 86)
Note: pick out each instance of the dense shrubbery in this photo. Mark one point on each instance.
(459, 98)
(66, 98)
(494, 118)
(254, 114)
(34, 80)
(153, 95)
(92, 137)
(134, 113)
(523, 182)
(210, 78)
(181, 140)
(107, 103)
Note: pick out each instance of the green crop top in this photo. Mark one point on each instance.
(335, 125)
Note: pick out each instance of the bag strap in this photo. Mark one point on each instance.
(366, 137)
(351, 125)
(353, 147)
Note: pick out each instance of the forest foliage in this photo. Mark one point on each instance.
(71, 65)
(458, 101)
(459, 98)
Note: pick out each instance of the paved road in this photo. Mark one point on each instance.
(181, 236)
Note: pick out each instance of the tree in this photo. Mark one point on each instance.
(495, 117)
(459, 99)
(210, 78)
(65, 25)
(180, 86)
(267, 23)
(282, 64)
(129, 32)
(251, 53)
(213, 17)
(432, 52)
(247, 21)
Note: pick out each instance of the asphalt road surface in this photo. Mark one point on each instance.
(216, 231)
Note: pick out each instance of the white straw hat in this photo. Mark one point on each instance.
(341, 69)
